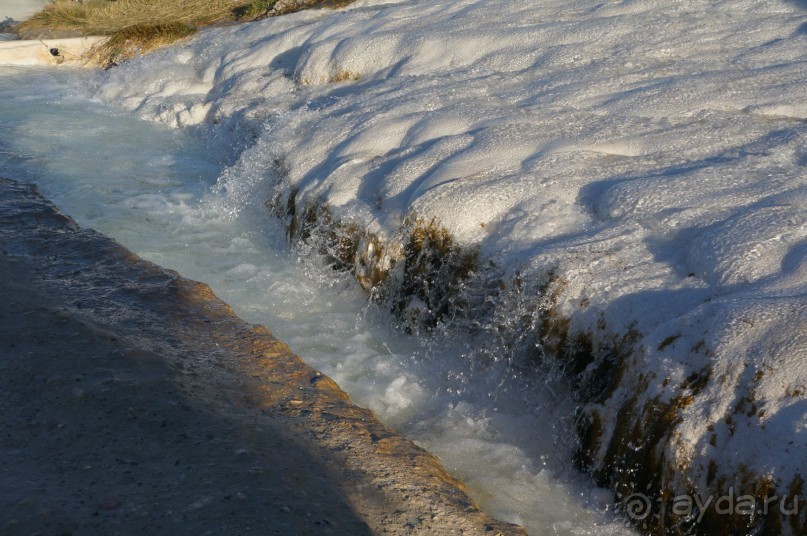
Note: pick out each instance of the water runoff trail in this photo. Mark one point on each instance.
(159, 192)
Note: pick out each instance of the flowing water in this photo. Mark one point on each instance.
(159, 192)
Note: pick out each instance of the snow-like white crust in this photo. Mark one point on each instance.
(653, 153)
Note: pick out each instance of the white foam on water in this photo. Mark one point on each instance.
(156, 190)
(652, 154)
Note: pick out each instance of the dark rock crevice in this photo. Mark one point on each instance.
(426, 279)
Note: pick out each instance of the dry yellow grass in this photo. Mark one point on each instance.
(139, 39)
(137, 26)
(106, 17)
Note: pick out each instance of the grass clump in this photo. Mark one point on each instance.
(137, 26)
(107, 17)
(140, 39)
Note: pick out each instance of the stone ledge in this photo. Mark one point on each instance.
(150, 378)
(73, 51)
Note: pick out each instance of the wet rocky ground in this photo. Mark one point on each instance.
(134, 400)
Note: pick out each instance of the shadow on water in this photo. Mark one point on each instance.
(132, 430)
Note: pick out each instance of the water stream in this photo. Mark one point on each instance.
(159, 192)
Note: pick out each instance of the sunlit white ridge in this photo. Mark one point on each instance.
(651, 154)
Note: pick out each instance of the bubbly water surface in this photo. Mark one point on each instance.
(158, 192)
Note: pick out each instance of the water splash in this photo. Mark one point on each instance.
(458, 389)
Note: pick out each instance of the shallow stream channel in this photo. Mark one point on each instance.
(170, 197)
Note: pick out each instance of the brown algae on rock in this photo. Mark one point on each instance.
(169, 411)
